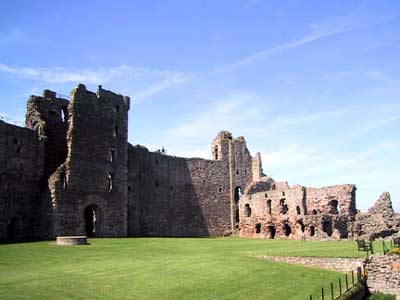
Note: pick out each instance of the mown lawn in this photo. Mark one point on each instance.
(164, 268)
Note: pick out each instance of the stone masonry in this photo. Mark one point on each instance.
(383, 273)
(72, 172)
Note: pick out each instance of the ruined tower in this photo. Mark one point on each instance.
(89, 190)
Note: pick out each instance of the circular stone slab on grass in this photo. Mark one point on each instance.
(71, 240)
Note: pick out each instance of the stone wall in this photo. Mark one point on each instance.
(384, 274)
(89, 191)
(21, 168)
(172, 196)
(339, 264)
(297, 212)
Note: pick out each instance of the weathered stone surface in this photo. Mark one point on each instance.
(383, 276)
(21, 169)
(298, 212)
(379, 221)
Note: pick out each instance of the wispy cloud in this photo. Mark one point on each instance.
(169, 80)
(151, 81)
(317, 31)
(229, 113)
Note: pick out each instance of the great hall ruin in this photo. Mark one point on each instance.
(71, 171)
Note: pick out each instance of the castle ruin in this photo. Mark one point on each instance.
(71, 171)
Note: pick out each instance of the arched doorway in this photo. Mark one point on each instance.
(91, 217)
(12, 229)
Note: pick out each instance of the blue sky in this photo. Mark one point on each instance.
(313, 85)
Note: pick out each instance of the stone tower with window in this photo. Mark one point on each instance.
(89, 190)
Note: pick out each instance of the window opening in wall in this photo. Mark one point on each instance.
(157, 184)
(245, 171)
(110, 182)
(333, 207)
(286, 229)
(12, 229)
(116, 108)
(129, 188)
(237, 172)
(269, 206)
(15, 141)
(247, 210)
(266, 195)
(216, 152)
(237, 219)
(63, 118)
(298, 210)
(157, 161)
(18, 149)
(283, 193)
(91, 218)
(258, 227)
(116, 131)
(140, 176)
(238, 194)
(312, 230)
(283, 208)
(220, 190)
(302, 226)
(52, 113)
(271, 232)
(112, 155)
(327, 227)
(20, 176)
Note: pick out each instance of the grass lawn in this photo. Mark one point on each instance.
(164, 268)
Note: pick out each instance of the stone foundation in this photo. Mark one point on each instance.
(329, 263)
(71, 240)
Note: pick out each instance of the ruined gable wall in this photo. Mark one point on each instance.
(172, 196)
(21, 167)
(95, 171)
(379, 221)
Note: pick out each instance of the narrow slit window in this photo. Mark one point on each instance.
(110, 182)
(112, 155)
(116, 129)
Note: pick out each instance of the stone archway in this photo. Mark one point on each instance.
(91, 218)
(12, 229)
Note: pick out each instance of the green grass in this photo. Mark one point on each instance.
(164, 268)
